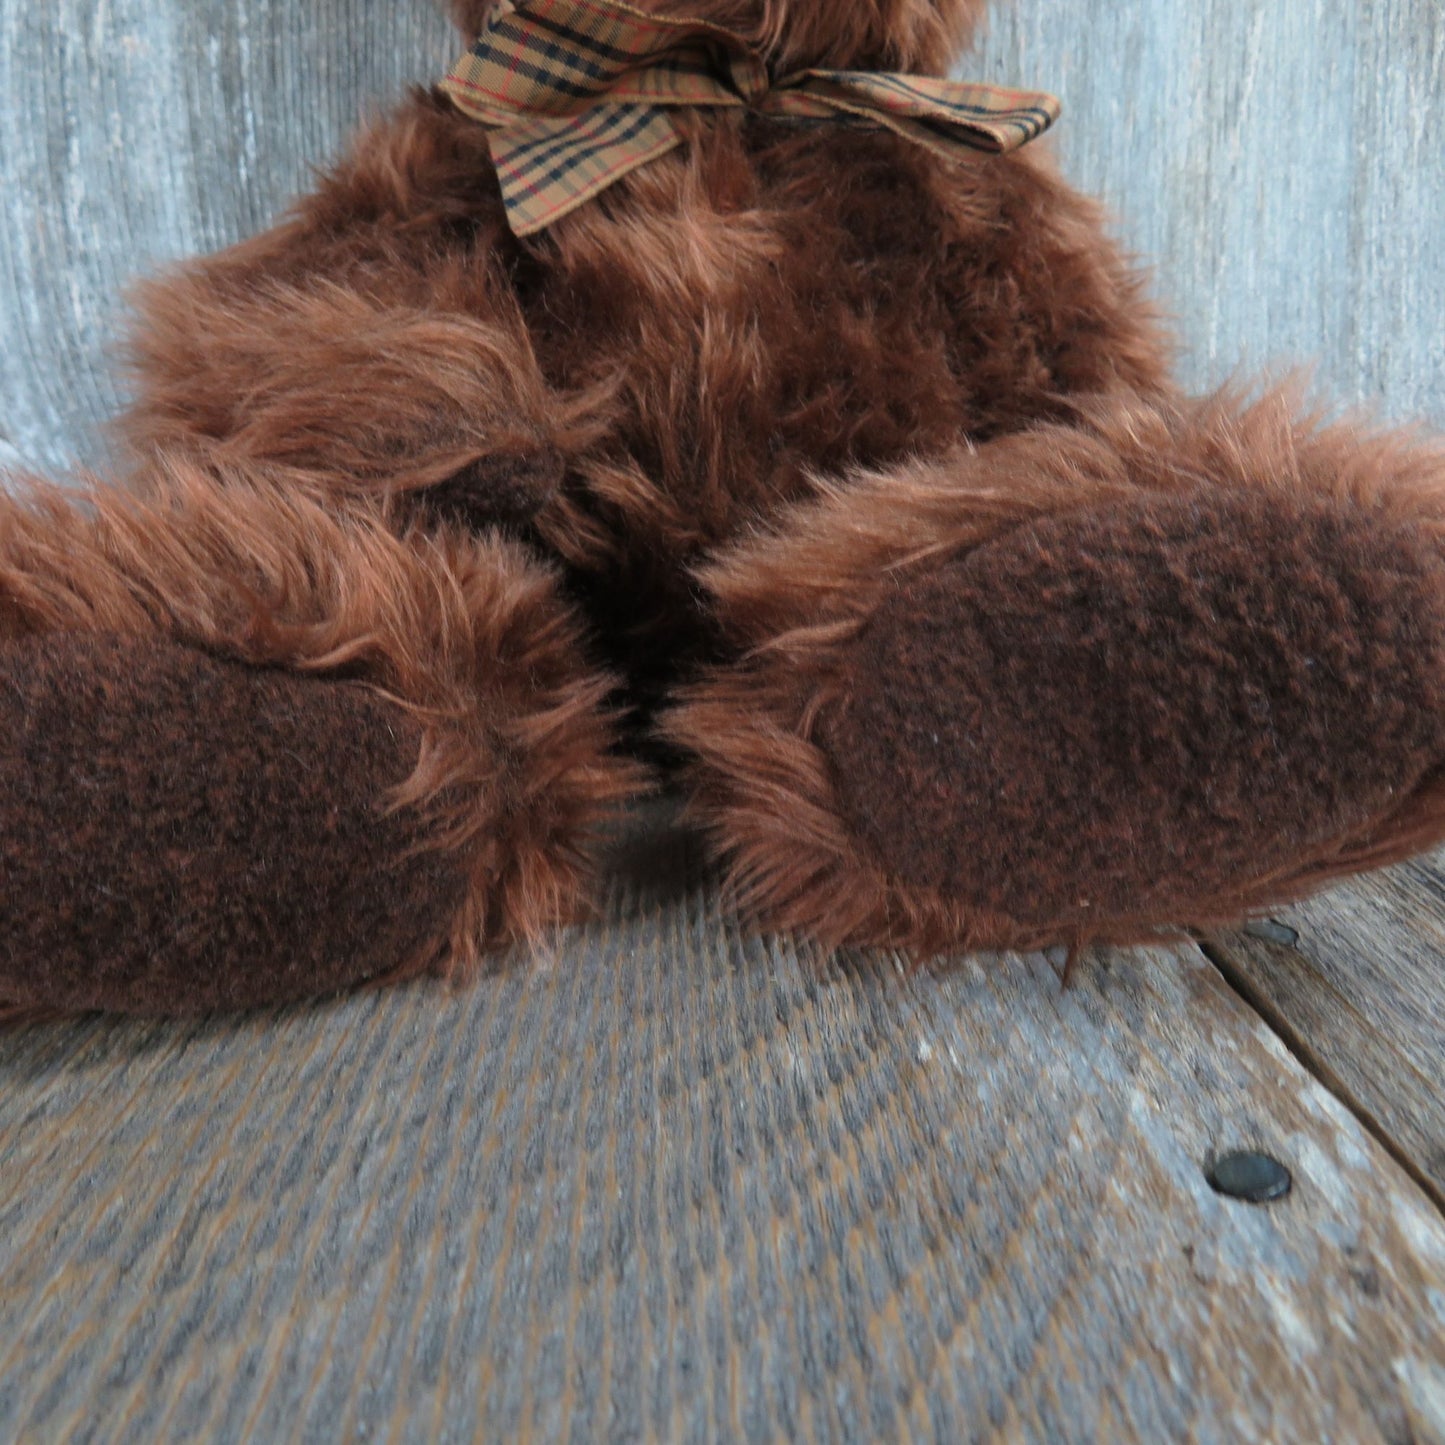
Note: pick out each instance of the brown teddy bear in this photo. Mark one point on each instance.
(693, 388)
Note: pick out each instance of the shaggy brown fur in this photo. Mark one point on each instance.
(863, 463)
(468, 729)
(1168, 665)
(695, 347)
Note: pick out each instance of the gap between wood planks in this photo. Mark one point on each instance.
(1316, 1064)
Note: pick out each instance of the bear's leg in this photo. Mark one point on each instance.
(253, 750)
(1087, 683)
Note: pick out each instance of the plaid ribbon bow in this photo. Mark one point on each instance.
(576, 94)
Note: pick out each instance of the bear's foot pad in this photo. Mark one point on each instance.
(181, 833)
(1151, 711)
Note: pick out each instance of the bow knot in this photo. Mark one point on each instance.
(576, 94)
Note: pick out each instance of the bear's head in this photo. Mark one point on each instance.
(922, 36)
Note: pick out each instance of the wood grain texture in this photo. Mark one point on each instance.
(682, 1185)
(1362, 993)
(1278, 163)
(137, 131)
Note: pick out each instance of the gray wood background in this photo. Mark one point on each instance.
(676, 1183)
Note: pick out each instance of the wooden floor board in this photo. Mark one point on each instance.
(1362, 993)
(679, 1183)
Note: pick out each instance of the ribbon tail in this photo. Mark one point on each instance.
(551, 167)
(938, 114)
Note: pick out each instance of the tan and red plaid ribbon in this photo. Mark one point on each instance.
(575, 94)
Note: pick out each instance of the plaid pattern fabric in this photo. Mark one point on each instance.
(576, 94)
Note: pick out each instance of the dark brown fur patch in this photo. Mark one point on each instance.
(509, 738)
(762, 325)
(180, 834)
(1125, 667)
(1109, 712)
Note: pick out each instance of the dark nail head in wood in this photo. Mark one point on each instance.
(1254, 1178)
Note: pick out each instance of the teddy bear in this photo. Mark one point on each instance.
(706, 394)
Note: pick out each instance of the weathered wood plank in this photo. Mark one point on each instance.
(1286, 172)
(1361, 995)
(135, 132)
(682, 1185)
(1279, 164)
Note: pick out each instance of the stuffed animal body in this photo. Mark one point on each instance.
(837, 481)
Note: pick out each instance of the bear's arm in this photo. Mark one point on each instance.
(370, 343)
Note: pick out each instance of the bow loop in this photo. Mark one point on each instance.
(576, 94)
